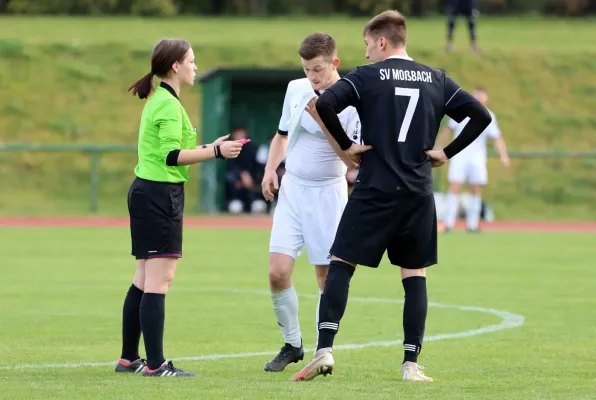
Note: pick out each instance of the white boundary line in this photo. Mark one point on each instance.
(508, 320)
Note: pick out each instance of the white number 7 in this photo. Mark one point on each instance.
(414, 95)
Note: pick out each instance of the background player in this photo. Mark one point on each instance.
(314, 189)
(470, 166)
(401, 104)
(467, 8)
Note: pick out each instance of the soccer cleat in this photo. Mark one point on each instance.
(131, 366)
(412, 372)
(167, 369)
(288, 354)
(322, 364)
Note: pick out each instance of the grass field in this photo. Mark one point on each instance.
(67, 80)
(513, 316)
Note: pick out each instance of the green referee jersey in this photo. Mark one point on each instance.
(165, 126)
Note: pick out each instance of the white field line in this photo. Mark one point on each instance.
(508, 321)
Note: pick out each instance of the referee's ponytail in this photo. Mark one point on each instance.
(165, 53)
(143, 87)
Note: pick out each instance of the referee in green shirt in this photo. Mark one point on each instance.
(166, 148)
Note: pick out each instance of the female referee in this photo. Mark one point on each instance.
(166, 148)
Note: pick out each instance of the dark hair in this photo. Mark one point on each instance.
(165, 53)
(389, 24)
(317, 44)
(481, 89)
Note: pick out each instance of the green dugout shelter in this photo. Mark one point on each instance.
(251, 97)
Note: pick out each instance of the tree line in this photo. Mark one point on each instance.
(285, 7)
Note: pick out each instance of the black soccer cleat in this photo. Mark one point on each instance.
(167, 369)
(288, 354)
(131, 366)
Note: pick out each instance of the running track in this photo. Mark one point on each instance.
(265, 222)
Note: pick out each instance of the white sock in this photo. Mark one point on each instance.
(317, 316)
(450, 210)
(473, 213)
(285, 306)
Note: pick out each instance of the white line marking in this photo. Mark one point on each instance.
(508, 321)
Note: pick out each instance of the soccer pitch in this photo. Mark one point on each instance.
(512, 315)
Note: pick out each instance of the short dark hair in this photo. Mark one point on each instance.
(317, 44)
(481, 89)
(389, 24)
(165, 53)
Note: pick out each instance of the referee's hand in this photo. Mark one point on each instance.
(231, 149)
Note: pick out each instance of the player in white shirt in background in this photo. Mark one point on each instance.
(469, 166)
(313, 192)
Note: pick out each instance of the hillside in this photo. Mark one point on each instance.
(64, 80)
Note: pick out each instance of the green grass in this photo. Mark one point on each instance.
(64, 288)
(67, 80)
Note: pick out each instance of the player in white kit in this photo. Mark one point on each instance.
(313, 192)
(469, 166)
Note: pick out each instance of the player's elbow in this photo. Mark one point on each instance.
(485, 117)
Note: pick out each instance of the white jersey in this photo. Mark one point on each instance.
(310, 158)
(476, 151)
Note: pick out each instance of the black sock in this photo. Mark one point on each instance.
(153, 317)
(472, 27)
(131, 324)
(333, 301)
(450, 27)
(415, 308)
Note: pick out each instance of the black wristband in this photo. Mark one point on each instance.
(218, 152)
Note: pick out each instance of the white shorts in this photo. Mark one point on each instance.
(307, 216)
(462, 170)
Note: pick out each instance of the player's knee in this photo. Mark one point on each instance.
(280, 271)
(408, 273)
(279, 279)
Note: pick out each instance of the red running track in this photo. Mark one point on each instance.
(265, 222)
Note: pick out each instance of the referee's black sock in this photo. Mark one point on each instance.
(415, 308)
(333, 301)
(153, 317)
(131, 324)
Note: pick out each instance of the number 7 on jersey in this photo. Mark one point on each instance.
(414, 95)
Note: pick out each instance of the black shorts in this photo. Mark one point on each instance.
(466, 8)
(155, 210)
(374, 221)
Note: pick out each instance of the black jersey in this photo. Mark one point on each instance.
(401, 104)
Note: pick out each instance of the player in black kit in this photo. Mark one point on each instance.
(400, 103)
(466, 8)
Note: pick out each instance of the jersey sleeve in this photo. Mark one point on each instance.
(168, 120)
(493, 131)
(456, 100)
(286, 115)
(353, 127)
(347, 90)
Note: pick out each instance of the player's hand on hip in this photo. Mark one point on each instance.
(231, 149)
(269, 185)
(220, 140)
(437, 157)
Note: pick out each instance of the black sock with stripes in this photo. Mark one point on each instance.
(153, 316)
(415, 309)
(131, 324)
(333, 301)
